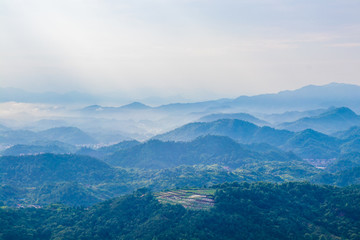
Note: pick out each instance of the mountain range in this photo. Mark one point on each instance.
(294, 110)
(331, 121)
(306, 98)
(207, 150)
(240, 116)
(38, 169)
(39, 147)
(272, 166)
(308, 143)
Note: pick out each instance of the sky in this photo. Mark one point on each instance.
(196, 49)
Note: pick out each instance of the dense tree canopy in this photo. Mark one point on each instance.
(242, 211)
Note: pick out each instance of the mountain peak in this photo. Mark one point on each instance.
(342, 111)
(331, 121)
(72, 135)
(309, 133)
(92, 108)
(239, 116)
(135, 105)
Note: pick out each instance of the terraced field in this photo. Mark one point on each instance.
(198, 199)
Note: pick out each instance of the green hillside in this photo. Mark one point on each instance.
(233, 211)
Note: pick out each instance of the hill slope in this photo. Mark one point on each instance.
(241, 211)
(71, 135)
(241, 131)
(39, 147)
(34, 170)
(206, 150)
(312, 144)
(332, 121)
(240, 116)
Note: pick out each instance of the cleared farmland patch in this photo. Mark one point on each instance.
(197, 199)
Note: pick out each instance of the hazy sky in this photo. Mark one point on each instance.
(194, 48)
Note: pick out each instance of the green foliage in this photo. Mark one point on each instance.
(342, 172)
(344, 162)
(81, 180)
(312, 144)
(333, 120)
(104, 152)
(241, 131)
(307, 144)
(241, 211)
(38, 169)
(45, 147)
(342, 178)
(207, 150)
(239, 116)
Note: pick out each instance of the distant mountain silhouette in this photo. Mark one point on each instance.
(55, 147)
(93, 108)
(291, 116)
(70, 135)
(308, 143)
(328, 122)
(239, 116)
(100, 109)
(103, 152)
(10, 137)
(306, 98)
(135, 106)
(241, 131)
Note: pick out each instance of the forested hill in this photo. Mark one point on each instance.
(241, 131)
(241, 211)
(32, 170)
(208, 150)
